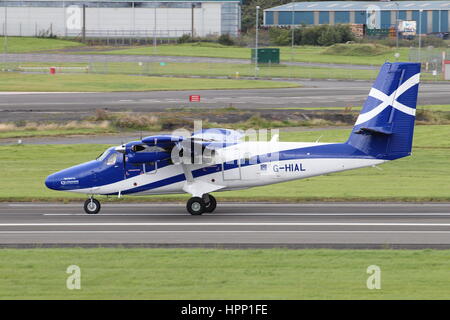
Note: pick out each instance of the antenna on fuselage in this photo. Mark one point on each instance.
(318, 139)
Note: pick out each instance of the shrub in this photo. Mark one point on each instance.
(356, 49)
(279, 36)
(226, 40)
(426, 41)
(185, 38)
(328, 37)
(322, 35)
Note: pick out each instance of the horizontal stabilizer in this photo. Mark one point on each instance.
(374, 130)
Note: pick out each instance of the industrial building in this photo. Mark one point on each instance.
(144, 18)
(429, 16)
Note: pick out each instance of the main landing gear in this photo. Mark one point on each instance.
(92, 206)
(197, 206)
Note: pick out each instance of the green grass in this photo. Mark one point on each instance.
(29, 44)
(415, 178)
(299, 54)
(357, 49)
(205, 69)
(437, 107)
(430, 107)
(110, 83)
(231, 70)
(53, 133)
(225, 274)
(240, 70)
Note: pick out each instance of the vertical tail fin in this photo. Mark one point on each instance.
(385, 126)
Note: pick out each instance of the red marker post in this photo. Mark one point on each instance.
(194, 98)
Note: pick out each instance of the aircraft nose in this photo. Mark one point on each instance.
(53, 182)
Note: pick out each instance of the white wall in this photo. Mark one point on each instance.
(172, 22)
(28, 21)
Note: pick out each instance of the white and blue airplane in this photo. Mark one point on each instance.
(165, 164)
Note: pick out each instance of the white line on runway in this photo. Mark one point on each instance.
(261, 204)
(269, 214)
(36, 92)
(223, 231)
(134, 224)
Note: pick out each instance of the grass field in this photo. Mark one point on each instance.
(231, 70)
(223, 274)
(29, 44)
(431, 107)
(205, 69)
(110, 83)
(417, 178)
(299, 54)
(47, 133)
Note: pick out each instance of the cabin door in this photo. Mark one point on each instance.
(231, 170)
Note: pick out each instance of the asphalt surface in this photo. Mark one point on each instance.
(234, 225)
(320, 94)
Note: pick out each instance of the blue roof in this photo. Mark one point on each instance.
(362, 5)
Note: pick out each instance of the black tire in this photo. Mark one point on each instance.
(211, 205)
(195, 206)
(92, 206)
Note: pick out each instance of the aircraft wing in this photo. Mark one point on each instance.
(213, 138)
(202, 143)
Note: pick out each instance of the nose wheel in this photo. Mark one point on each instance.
(92, 206)
(197, 206)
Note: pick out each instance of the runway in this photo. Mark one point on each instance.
(232, 225)
(17, 106)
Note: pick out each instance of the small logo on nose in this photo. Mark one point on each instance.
(64, 182)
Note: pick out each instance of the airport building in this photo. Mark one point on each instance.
(427, 16)
(109, 18)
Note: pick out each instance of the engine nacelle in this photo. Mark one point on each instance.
(136, 152)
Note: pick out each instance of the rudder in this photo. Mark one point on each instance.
(384, 129)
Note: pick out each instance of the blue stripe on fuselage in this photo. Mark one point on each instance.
(327, 151)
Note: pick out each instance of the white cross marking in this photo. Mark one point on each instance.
(391, 100)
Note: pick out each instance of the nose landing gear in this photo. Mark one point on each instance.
(92, 206)
(197, 206)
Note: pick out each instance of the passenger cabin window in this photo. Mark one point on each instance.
(112, 159)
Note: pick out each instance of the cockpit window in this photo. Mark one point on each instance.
(104, 155)
(112, 159)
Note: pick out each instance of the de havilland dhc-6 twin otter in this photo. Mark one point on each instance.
(219, 159)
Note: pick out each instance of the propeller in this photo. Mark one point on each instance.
(123, 150)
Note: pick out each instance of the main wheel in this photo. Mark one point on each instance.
(92, 206)
(196, 206)
(211, 205)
